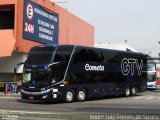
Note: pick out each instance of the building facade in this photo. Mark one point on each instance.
(27, 23)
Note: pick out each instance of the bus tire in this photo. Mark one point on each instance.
(70, 96)
(127, 91)
(133, 90)
(82, 95)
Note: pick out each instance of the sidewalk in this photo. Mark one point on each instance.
(158, 87)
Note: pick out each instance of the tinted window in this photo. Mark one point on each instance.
(109, 57)
(7, 18)
(95, 55)
(36, 78)
(151, 66)
(57, 75)
(88, 55)
(40, 78)
(63, 54)
(81, 55)
(40, 55)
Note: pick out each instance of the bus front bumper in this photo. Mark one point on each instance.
(151, 86)
(42, 95)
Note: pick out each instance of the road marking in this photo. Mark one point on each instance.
(21, 114)
(24, 115)
(148, 98)
(29, 112)
(139, 97)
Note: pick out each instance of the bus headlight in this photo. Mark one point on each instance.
(45, 96)
(46, 91)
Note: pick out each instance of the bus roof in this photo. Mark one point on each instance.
(65, 45)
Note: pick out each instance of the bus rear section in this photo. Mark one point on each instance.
(100, 72)
(75, 73)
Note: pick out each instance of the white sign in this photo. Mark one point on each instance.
(130, 65)
(94, 68)
(30, 11)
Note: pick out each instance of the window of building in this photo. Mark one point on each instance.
(7, 17)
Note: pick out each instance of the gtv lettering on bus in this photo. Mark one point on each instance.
(94, 68)
(130, 65)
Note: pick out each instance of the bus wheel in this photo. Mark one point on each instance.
(133, 90)
(127, 91)
(81, 96)
(70, 96)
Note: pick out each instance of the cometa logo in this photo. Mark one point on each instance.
(94, 68)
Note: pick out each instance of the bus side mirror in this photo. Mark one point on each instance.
(51, 64)
(55, 64)
(16, 66)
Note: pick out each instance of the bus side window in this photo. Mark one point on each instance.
(88, 55)
(94, 55)
(81, 55)
(56, 76)
(59, 58)
(62, 56)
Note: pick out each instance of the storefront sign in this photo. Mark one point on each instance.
(39, 24)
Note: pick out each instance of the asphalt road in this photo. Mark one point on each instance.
(144, 103)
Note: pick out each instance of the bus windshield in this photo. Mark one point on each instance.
(56, 57)
(151, 74)
(151, 77)
(41, 55)
(151, 67)
(42, 78)
(36, 78)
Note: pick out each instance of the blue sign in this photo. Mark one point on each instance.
(40, 24)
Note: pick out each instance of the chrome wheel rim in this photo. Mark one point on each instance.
(134, 91)
(127, 92)
(69, 96)
(81, 95)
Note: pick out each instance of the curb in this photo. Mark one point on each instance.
(10, 95)
(158, 87)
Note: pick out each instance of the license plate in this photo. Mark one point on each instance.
(31, 97)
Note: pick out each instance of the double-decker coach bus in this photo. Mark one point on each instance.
(68, 72)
